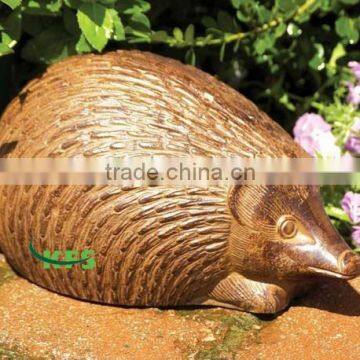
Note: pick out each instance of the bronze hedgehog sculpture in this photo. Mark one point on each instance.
(246, 247)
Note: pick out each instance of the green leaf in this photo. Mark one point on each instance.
(140, 22)
(263, 14)
(286, 5)
(236, 3)
(317, 62)
(337, 213)
(12, 29)
(284, 100)
(178, 35)
(241, 16)
(108, 2)
(264, 43)
(5, 50)
(73, 4)
(349, 2)
(136, 36)
(130, 7)
(326, 5)
(189, 34)
(280, 30)
(236, 46)
(346, 28)
(159, 36)
(12, 3)
(49, 46)
(190, 57)
(82, 46)
(42, 7)
(119, 31)
(222, 51)
(337, 53)
(96, 23)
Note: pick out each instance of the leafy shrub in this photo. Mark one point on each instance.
(283, 54)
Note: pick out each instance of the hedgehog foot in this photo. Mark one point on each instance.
(238, 292)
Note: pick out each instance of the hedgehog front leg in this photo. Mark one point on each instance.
(238, 292)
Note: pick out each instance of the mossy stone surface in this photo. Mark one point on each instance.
(15, 354)
(217, 333)
(229, 327)
(6, 273)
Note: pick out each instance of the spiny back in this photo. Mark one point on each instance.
(130, 101)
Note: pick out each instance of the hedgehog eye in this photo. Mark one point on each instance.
(288, 228)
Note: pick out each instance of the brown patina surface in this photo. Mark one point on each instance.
(172, 244)
(251, 248)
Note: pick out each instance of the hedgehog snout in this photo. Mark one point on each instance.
(349, 264)
(334, 257)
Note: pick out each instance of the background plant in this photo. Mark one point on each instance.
(288, 56)
(283, 54)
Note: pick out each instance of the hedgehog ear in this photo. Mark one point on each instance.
(243, 200)
(234, 196)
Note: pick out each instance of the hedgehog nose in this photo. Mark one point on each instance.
(349, 264)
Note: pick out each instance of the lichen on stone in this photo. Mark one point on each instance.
(229, 329)
(6, 273)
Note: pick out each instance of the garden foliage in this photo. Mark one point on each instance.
(283, 54)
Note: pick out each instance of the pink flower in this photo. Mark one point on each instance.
(354, 94)
(353, 142)
(308, 123)
(353, 145)
(355, 236)
(314, 135)
(356, 125)
(355, 68)
(351, 205)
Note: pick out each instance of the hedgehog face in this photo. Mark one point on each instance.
(283, 231)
